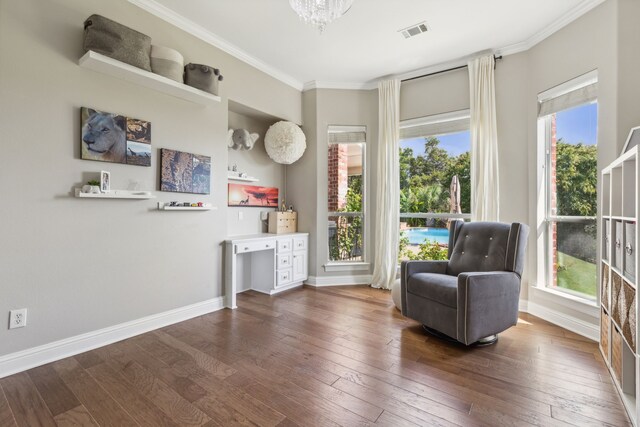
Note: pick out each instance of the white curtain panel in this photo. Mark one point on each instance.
(387, 223)
(485, 196)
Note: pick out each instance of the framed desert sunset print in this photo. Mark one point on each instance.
(253, 196)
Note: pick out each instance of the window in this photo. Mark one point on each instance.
(434, 153)
(568, 127)
(346, 177)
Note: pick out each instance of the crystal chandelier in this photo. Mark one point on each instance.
(319, 13)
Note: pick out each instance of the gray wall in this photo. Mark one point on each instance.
(603, 39)
(588, 43)
(307, 179)
(79, 265)
(255, 163)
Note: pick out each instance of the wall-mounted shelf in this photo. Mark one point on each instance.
(240, 178)
(115, 194)
(205, 207)
(103, 64)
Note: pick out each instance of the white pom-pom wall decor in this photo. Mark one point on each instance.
(285, 142)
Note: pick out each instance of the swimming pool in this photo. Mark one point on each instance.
(418, 235)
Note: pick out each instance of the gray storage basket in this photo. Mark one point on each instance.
(202, 77)
(117, 41)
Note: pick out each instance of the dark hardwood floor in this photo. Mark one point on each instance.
(326, 357)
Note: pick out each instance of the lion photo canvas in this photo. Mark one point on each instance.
(108, 137)
(185, 172)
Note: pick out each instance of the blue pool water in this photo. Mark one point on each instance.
(418, 235)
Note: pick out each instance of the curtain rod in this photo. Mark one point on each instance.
(495, 58)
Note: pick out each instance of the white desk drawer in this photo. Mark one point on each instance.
(254, 246)
(283, 261)
(299, 243)
(284, 277)
(284, 245)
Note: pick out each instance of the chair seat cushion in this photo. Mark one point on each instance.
(440, 288)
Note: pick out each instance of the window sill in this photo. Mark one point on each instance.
(573, 302)
(346, 266)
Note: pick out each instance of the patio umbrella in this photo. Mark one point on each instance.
(454, 193)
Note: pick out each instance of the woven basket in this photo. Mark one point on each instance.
(167, 62)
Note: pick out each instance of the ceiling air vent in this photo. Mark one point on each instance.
(414, 30)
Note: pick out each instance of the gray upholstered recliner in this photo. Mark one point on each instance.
(475, 294)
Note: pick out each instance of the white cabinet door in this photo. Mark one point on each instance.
(299, 266)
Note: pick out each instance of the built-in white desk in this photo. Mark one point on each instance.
(277, 262)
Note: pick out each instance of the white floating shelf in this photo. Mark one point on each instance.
(205, 207)
(240, 178)
(116, 194)
(103, 64)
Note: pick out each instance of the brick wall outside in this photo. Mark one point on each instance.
(338, 177)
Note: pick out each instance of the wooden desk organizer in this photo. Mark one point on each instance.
(283, 222)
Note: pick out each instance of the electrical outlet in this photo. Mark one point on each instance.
(18, 318)
(264, 215)
(240, 215)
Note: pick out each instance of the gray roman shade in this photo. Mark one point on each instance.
(582, 95)
(347, 134)
(440, 124)
(578, 91)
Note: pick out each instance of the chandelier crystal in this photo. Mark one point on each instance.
(319, 13)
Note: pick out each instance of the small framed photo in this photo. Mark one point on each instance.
(105, 181)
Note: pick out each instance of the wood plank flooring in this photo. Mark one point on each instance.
(319, 357)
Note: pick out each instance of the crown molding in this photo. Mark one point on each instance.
(200, 32)
(550, 29)
(563, 21)
(190, 27)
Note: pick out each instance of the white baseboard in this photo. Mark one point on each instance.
(563, 320)
(317, 281)
(36, 356)
(523, 305)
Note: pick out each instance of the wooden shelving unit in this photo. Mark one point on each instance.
(115, 194)
(103, 64)
(165, 207)
(618, 278)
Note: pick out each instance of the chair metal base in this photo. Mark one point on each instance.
(482, 342)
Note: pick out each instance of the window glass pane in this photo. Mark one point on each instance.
(345, 201)
(345, 238)
(572, 183)
(574, 171)
(427, 167)
(574, 257)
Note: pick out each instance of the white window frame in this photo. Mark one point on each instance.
(545, 216)
(346, 265)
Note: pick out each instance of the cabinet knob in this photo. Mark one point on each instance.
(618, 244)
(246, 248)
(629, 249)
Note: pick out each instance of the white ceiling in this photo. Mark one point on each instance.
(365, 44)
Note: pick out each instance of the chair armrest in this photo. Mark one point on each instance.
(409, 268)
(487, 303)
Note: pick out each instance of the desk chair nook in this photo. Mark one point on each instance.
(474, 295)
